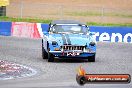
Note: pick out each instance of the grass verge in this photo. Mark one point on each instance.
(36, 20)
(33, 20)
(109, 24)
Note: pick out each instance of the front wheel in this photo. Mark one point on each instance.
(50, 57)
(44, 54)
(91, 58)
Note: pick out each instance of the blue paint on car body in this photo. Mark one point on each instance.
(69, 40)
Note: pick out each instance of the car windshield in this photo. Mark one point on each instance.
(69, 29)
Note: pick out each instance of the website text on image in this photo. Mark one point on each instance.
(115, 37)
(112, 34)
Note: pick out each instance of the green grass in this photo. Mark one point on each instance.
(33, 20)
(108, 24)
(36, 20)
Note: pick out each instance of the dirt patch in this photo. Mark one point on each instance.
(104, 11)
(124, 4)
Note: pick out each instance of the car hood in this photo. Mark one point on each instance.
(70, 39)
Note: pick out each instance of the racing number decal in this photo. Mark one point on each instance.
(72, 53)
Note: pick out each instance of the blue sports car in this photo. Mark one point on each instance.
(68, 39)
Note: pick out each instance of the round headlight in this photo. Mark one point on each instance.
(54, 43)
(92, 43)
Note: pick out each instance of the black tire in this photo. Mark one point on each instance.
(50, 57)
(44, 53)
(91, 58)
(42, 50)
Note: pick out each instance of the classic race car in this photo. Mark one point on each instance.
(68, 39)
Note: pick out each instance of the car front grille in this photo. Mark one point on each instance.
(71, 47)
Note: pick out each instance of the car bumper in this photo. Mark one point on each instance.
(83, 55)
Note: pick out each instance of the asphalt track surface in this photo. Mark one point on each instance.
(111, 58)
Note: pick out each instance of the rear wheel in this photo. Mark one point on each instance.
(91, 58)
